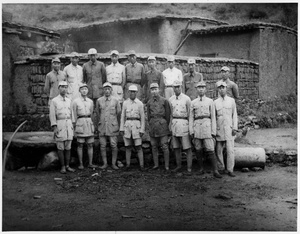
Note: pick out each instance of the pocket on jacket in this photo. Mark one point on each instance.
(79, 128)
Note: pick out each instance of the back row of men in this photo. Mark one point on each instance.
(95, 74)
(206, 122)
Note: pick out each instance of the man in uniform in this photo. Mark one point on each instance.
(61, 123)
(171, 74)
(158, 110)
(116, 76)
(202, 126)
(94, 75)
(191, 79)
(153, 76)
(227, 126)
(132, 126)
(74, 76)
(83, 108)
(135, 74)
(52, 80)
(232, 88)
(180, 110)
(108, 111)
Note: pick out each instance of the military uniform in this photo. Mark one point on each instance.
(158, 110)
(190, 80)
(226, 116)
(116, 76)
(232, 89)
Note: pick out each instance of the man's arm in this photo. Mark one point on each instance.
(235, 91)
(47, 85)
(122, 121)
(191, 119)
(142, 114)
(103, 73)
(213, 118)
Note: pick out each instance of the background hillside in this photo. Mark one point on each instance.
(60, 16)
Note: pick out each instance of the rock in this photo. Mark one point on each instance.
(251, 117)
(256, 169)
(256, 126)
(245, 169)
(120, 164)
(268, 151)
(222, 197)
(37, 197)
(48, 161)
(58, 179)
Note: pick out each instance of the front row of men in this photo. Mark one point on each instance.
(209, 124)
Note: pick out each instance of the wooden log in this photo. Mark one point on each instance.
(249, 157)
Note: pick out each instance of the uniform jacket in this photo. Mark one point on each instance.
(202, 128)
(61, 116)
(108, 111)
(158, 112)
(226, 115)
(180, 107)
(51, 83)
(94, 75)
(132, 109)
(74, 76)
(189, 82)
(84, 126)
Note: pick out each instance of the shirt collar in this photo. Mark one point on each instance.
(61, 97)
(134, 65)
(83, 98)
(92, 63)
(115, 65)
(203, 98)
(156, 98)
(179, 96)
(133, 101)
(56, 72)
(107, 98)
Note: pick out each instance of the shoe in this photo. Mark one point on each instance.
(231, 174)
(115, 167)
(142, 169)
(70, 169)
(104, 167)
(223, 172)
(176, 169)
(217, 175)
(189, 172)
(63, 170)
(201, 172)
(127, 168)
(81, 167)
(154, 168)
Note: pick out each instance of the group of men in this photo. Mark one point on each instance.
(176, 105)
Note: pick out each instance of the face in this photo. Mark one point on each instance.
(56, 66)
(151, 63)
(201, 90)
(92, 57)
(84, 91)
(171, 64)
(74, 60)
(192, 67)
(222, 90)
(132, 95)
(114, 58)
(225, 74)
(63, 90)
(132, 58)
(107, 91)
(154, 92)
(177, 90)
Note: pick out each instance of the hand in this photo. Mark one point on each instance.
(192, 136)
(122, 133)
(233, 132)
(55, 131)
(141, 134)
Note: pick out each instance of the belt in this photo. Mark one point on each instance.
(133, 119)
(113, 83)
(63, 118)
(180, 118)
(84, 116)
(203, 117)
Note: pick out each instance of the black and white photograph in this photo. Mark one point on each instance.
(154, 116)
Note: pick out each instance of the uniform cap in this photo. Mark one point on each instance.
(81, 85)
(55, 60)
(201, 83)
(177, 83)
(221, 83)
(191, 61)
(133, 88)
(62, 83)
(92, 51)
(74, 54)
(131, 52)
(151, 58)
(114, 52)
(107, 84)
(171, 59)
(225, 68)
(154, 85)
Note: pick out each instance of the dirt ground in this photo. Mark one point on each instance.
(154, 200)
